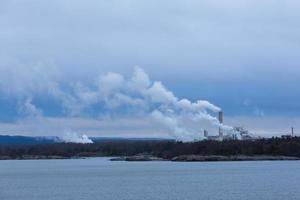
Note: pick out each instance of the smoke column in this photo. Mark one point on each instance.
(118, 96)
(184, 120)
(73, 137)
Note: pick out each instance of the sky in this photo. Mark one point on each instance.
(102, 67)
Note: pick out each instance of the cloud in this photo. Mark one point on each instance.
(22, 79)
(27, 108)
(52, 53)
(110, 83)
(140, 80)
(232, 41)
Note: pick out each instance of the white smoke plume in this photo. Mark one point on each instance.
(184, 120)
(73, 137)
(115, 95)
(26, 107)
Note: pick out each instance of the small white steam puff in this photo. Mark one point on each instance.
(74, 137)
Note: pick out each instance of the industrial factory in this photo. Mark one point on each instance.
(238, 133)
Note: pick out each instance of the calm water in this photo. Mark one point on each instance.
(99, 178)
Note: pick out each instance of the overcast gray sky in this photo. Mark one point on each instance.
(242, 56)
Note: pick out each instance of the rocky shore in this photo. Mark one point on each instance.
(199, 158)
(137, 158)
(34, 157)
(204, 158)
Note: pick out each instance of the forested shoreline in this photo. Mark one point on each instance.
(161, 149)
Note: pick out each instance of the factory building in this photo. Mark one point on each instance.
(238, 132)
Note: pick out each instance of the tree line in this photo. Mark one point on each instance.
(164, 149)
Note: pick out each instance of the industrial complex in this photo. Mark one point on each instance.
(238, 133)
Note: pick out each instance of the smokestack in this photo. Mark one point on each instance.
(205, 133)
(221, 122)
(292, 131)
(221, 117)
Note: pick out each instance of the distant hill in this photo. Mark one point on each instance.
(121, 139)
(7, 139)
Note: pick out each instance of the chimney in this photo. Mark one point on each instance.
(221, 117)
(205, 133)
(221, 122)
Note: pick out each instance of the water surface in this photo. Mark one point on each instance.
(98, 178)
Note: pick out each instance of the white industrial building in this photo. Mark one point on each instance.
(238, 133)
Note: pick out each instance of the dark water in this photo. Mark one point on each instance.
(99, 178)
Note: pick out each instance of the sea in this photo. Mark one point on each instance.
(99, 178)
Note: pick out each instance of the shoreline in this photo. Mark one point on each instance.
(147, 158)
(35, 157)
(206, 158)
